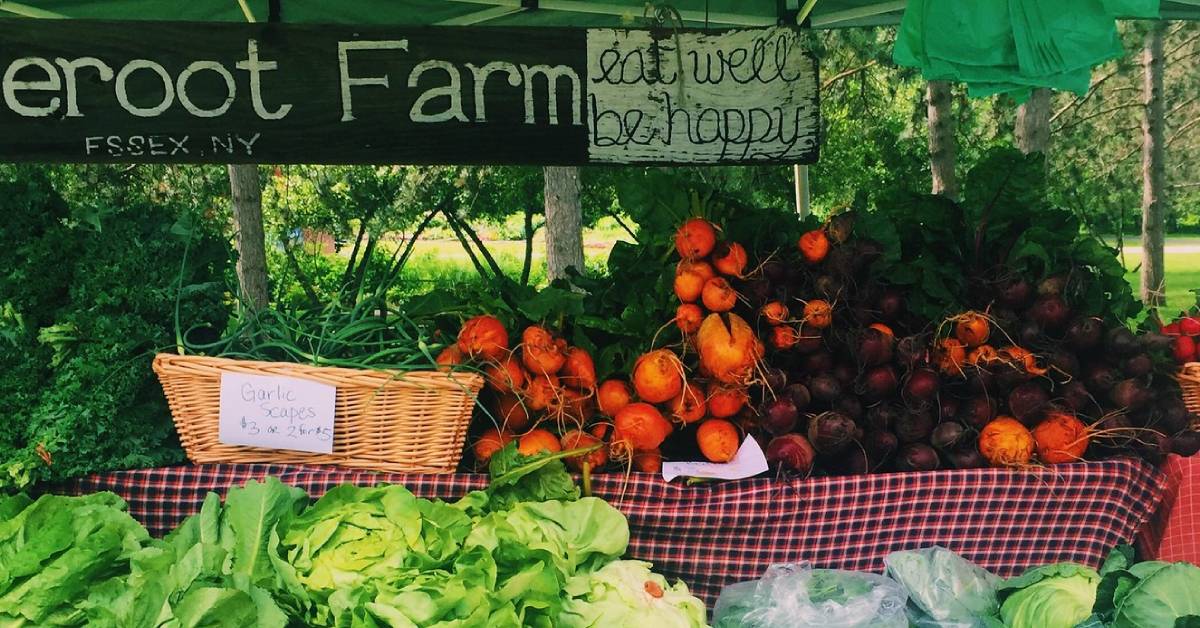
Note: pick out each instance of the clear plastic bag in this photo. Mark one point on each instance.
(944, 589)
(798, 596)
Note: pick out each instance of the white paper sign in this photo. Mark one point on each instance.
(276, 412)
(749, 461)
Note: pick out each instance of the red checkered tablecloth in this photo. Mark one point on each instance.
(713, 535)
(1173, 533)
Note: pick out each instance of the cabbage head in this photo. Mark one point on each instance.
(1054, 596)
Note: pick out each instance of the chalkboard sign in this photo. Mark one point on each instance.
(91, 91)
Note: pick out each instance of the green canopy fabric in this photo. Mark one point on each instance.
(1013, 46)
(717, 13)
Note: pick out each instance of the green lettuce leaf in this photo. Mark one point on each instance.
(517, 478)
(1054, 596)
(1167, 594)
(626, 594)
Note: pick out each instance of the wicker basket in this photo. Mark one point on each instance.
(383, 420)
(1189, 381)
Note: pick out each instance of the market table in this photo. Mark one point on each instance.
(713, 535)
(1173, 533)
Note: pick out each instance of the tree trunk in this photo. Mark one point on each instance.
(1033, 123)
(942, 147)
(1154, 201)
(251, 243)
(564, 222)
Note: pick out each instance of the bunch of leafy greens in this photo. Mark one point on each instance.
(615, 315)
(55, 550)
(948, 256)
(218, 568)
(1146, 594)
(84, 305)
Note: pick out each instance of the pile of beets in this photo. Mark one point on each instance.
(852, 382)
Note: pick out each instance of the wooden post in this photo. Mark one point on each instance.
(564, 221)
(1033, 122)
(251, 242)
(1154, 201)
(803, 198)
(943, 151)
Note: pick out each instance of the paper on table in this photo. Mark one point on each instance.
(276, 412)
(749, 461)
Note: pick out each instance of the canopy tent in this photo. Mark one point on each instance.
(584, 13)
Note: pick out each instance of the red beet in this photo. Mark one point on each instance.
(913, 427)
(1015, 294)
(911, 350)
(1154, 446)
(818, 362)
(791, 452)
(917, 457)
(1173, 416)
(1084, 334)
(1100, 378)
(799, 395)
(829, 286)
(1050, 312)
(1129, 393)
(874, 347)
(982, 382)
(949, 408)
(824, 388)
(1063, 366)
(879, 382)
(779, 416)
(949, 435)
(850, 406)
(1121, 342)
(891, 305)
(1138, 365)
(967, 458)
(978, 411)
(1027, 402)
(845, 375)
(831, 432)
(880, 444)
(1076, 396)
(808, 342)
(774, 379)
(1029, 334)
(1186, 444)
(922, 385)
(855, 462)
(883, 416)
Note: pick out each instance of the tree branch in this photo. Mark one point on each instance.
(1081, 119)
(846, 74)
(1183, 129)
(1079, 100)
(1181, 106)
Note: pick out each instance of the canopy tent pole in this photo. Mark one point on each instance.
(829, 19)
(601, 8)
(28, 11)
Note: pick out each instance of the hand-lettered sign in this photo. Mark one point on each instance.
(89, 91)
(276, 412)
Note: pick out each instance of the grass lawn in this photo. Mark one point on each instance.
(1183, 275)
(439, 260)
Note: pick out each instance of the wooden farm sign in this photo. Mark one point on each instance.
(86, 91)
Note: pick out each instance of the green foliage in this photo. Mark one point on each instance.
(951, 256)
(85, 314)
